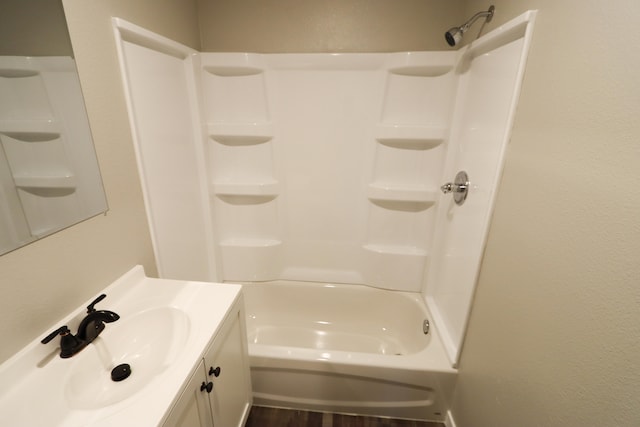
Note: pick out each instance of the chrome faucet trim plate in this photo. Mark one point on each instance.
(459, 187)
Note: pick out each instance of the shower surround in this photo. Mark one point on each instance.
(327, 168)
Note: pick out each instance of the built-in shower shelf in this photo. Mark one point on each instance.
(233, 64)
(30, 130)
(422, 70)
(421, 64)
(390, 193)
(250, 243)
(46, 182)
(259, 189)
(12, 73)
(232, 71)
(396, 250)
(241, 133)
(410, 136)
(246, 200)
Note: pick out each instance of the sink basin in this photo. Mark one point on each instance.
(164, 327)
(149, 341)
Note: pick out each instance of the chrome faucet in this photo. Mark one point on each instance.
(459, 187)
(88, 330)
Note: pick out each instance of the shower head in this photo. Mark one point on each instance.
(454, 35)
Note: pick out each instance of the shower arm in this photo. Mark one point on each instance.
(474, 18)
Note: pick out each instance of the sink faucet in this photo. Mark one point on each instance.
(93, 324)
(88, 330)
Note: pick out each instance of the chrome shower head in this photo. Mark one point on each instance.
(454, 35)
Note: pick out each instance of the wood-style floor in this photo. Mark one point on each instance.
(275, 417)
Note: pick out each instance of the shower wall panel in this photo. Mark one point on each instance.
(324, 167)
(160, 87)
(490, 72)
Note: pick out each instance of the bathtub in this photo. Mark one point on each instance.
(346, 349)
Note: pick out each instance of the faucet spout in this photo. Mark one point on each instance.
(92, 325)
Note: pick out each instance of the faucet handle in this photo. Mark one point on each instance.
(90, 307)
(62, 330)
(69, 344)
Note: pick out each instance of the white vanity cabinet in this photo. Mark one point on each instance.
(192, 408)
(219, 391)
(170, 332)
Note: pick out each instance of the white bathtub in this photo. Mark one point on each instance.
(345, 348)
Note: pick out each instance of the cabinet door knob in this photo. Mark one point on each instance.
(206, 386)
(215, 372)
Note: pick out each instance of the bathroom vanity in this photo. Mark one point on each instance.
(185, 343)
(217, 393)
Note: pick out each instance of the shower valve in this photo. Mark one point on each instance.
(453, 188)
(459, 187)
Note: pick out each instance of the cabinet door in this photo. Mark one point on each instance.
(228, 359)
(192, 408)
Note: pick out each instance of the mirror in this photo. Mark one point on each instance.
(49, 175)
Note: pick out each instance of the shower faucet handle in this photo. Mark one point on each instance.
(451, 187)
(459, 187)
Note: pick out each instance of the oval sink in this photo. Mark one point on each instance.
(148, 341)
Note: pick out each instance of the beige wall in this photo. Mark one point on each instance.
(45, 280)
(33, 28)
(554, 338)
(326, 25)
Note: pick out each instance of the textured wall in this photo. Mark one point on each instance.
(33, 28)
(326, 25)
(554, 332)
(45, 280)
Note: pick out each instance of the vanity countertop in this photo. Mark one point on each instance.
(163, 332)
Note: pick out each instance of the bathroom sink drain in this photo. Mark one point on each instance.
(121, 372)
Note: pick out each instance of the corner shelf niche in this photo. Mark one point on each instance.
(232, 64)
(232, 71)
(388, 193)
(244, 189)
(30, 130)
(241, 133)
(13, 73)
(421, 64)
(411, 251)
(259, 191)
(61, 182)
(422, 70)
(234, 89)
(410, 136)
(250, 243)
(396, 186)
